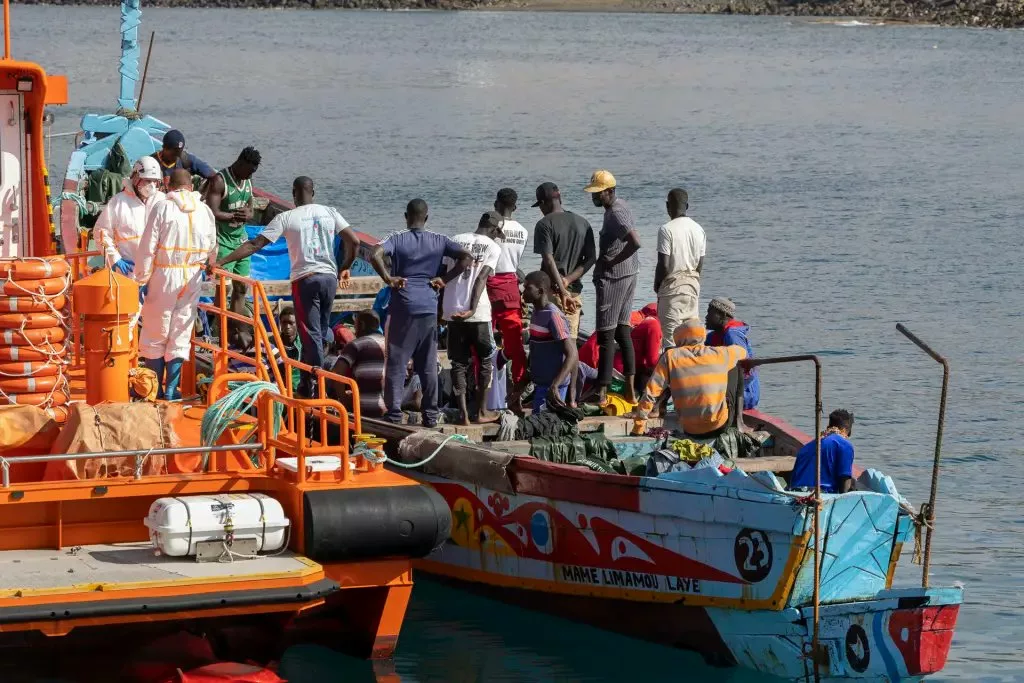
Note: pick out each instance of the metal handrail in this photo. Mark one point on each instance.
(270, 337)
(5, 463)
(928, 514)
(299, 407)
(754, 362)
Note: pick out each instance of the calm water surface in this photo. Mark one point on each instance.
(848, 179)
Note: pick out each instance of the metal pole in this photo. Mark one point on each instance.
(929, 513)
(122, 454)
(754, 362)
(145, 71)
(7, 29)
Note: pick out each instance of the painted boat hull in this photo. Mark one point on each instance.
(722, 565)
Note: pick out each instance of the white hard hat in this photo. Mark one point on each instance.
(147, 168)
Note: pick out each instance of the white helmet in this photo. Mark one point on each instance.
(147, 168)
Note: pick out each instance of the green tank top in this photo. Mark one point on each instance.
(236, 196)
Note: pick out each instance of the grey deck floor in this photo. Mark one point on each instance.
(125, 563)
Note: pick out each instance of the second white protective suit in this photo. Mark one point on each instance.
(120, 224)
(180, 239)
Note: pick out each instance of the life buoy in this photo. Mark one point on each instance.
(26, 304)
(29, 321)
(47, 286)
(58, 414)
(29, 385)
(52, 335)
(28, 369)
(56, 398)
(33, 268)
(27, 354)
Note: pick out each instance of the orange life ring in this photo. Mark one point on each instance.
(57, 398)
(58, 414)
(9, 354)
(29, 321)
(29, 385)
(53, 335)
(47, 287)
(33, 268)
(28, 369)
(26, 304)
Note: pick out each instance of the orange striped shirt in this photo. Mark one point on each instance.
(698, 376)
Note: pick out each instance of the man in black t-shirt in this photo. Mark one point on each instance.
(565, 242)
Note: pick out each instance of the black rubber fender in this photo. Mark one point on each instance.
(371, 523)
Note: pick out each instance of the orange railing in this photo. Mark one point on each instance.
(265, 341)
(297, 443)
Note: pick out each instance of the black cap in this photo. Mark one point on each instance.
(547, 191)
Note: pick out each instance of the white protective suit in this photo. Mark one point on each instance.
(120, 225)
(179, 240)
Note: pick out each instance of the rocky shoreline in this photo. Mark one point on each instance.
(977, 13)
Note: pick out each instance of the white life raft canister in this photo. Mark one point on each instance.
(177, 524)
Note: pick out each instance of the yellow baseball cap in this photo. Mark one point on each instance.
(600, 181)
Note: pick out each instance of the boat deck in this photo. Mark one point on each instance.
(120, 565)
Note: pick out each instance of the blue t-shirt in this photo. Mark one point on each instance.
(836, 463)
(196, 166)
(416, 255)
(548, 331)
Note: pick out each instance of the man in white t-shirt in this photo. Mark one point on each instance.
(503, 286)
(681, 249)
(309, 230)
(468, 311)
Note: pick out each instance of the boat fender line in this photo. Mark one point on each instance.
(340, 525)
(380, 458)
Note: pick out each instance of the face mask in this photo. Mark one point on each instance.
(145, 189)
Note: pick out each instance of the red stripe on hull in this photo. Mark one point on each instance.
(923, 636)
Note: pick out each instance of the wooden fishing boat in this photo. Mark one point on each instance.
(723, 564)
(123, 521)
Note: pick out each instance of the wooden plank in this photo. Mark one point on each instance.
(777, 464)
(367, 285)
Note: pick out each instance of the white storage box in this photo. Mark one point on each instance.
(319, 463)
(176, 525)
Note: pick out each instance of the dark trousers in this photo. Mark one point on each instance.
(313, 297)
(463, 338)
(410, 338)
(606, 340)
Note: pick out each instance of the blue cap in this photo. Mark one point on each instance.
(173, 139)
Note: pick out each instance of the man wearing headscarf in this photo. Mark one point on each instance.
(725, 330)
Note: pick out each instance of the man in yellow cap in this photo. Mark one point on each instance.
(615, 281)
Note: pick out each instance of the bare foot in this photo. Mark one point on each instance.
(629, 394)
(486, 416)
(602, 396)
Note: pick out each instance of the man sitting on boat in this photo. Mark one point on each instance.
(120, 225)
(173, 155)
(178, 243)
(706, 383)
(725, 330)
(553, 355)
(362, 360)
(836, 457)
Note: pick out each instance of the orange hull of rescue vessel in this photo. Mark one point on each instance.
(95, 558)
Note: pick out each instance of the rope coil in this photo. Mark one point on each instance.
(224, 413)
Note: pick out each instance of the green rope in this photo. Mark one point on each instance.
(370, 455)
(224, 414)
(85, 207)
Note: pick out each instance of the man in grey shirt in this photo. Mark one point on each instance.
(615, 282)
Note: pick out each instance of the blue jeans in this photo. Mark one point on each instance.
(540, 395)
(410, 337)
(313, 297)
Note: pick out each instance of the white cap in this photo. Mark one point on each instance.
(147, 168)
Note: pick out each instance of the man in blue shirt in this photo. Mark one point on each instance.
(725, 330)
(411, 330)
(836, 457)
(173, 155)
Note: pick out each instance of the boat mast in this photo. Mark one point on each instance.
(131, 17)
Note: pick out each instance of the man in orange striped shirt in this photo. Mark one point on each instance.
(706, 384)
